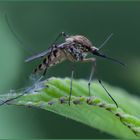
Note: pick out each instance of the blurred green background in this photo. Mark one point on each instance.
(36, 25)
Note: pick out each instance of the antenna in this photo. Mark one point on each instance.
(107, 39)
(108, 93)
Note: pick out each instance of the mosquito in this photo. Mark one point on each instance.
(75, 48)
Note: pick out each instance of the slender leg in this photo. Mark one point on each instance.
(14, 98)
(44, 73)
(93, 60)
(62, 34)
(91, 75)
(72, 73)
(4, 102)
(108, 93)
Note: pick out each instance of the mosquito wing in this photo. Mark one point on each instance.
(39, 55)
(42, 54)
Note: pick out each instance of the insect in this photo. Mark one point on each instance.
(75, 48)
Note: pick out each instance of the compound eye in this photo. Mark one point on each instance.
(94, 48)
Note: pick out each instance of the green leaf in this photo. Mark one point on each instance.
(97, 111)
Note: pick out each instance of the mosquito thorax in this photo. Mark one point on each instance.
(80, 40)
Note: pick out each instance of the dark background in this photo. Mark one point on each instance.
(36, 25)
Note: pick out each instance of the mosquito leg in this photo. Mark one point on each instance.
(14, 98)
(62, 34)
(108, 93)
(93, 60)
(91, 75)
(44, 73)
(72, 73)
(11, 99)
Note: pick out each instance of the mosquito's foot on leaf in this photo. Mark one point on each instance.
(62, 100)
(90, 101)
(118, 115)
(51, 102)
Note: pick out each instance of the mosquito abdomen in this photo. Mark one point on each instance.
(56, 57)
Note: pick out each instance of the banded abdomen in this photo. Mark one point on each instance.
(56, 57)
